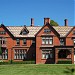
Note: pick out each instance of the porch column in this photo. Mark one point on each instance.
(72, 55)
(56, 55)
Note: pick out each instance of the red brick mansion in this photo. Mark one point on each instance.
(44, 44)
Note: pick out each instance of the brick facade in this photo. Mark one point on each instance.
(42, 43)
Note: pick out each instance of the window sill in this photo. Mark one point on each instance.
(17, 45)
(46, 44)
(24, 45)
(46, 59)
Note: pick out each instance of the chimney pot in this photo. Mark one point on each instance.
(66, 22)
(46, 21)
(32, 21)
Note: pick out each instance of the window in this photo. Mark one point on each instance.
(24, 41)
(74, 41)
(74, 51)
(24, 32)
(47, 53)
(2, 32)
(33, 41)
(17, 41)
(61, 41)
(47, 30)
(5, 54)
(47, 40)
(74, 32)
(2, 40)
(20, 54)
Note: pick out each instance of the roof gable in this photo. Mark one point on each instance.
(49, 27)
(70, 31)
(6, 30)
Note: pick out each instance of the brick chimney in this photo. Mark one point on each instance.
(66, 22)
(32, 21)
(46, 21)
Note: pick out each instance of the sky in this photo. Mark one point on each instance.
(20, 12)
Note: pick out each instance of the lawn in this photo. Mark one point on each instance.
(33, 69)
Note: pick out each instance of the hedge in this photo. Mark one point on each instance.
(64, 62)
(17, 62)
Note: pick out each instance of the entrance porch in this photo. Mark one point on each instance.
(64, 53)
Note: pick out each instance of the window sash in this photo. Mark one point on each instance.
(47, 40)
(19, 54)
(24, 41)
(17, 41)
(5, 54)
(47, 54)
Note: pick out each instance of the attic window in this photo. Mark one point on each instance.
(47, 30)
(2, 32)
(24, 32)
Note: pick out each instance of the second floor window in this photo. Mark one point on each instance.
(33, 41)
(74, 41)
(24, 41)
(61, 41)
(2, 40)
(47, 40)
(17, 41)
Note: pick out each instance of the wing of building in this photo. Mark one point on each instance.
(43, 44)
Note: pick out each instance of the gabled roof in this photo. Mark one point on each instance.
(63, 31)
(50, 27)
(15, 30)
(2, 25)
(70, 31)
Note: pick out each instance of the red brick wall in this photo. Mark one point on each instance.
(11, 42)
(39, 43)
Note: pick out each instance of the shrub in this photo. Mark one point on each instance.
(23, 62)
(17, 62)
(64, 62)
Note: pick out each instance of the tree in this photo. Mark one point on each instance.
(53, 23)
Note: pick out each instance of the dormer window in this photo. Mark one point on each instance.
(47, 30)
(24, 32)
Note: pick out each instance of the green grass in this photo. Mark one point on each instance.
(33, 69)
